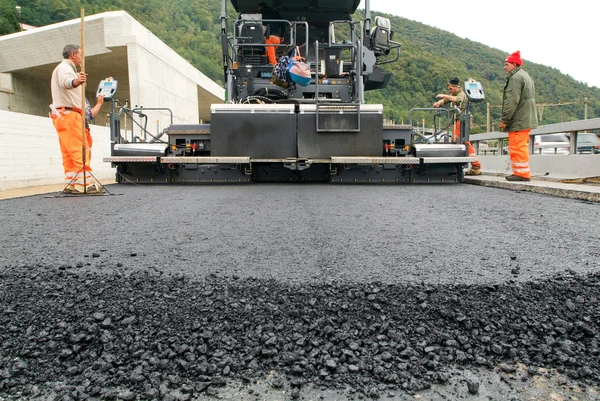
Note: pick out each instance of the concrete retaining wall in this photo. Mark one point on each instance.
(30, 154)
(550, 166)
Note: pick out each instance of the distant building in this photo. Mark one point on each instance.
(149, 73)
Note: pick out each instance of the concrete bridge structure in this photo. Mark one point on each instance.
(149, 73)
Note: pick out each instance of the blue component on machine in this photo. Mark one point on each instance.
(108, 88)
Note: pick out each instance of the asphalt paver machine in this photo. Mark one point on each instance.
(269, 130)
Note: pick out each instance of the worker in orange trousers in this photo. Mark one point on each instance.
(519, 115)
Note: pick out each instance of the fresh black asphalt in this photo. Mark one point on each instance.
(177, 292)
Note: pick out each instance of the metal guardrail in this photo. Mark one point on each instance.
(572, 128)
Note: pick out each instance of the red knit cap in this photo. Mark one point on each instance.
(515, 58)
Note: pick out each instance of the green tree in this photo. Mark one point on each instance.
(9, 21)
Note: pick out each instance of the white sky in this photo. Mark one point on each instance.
(562, 35)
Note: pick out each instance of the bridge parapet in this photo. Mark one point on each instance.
(495, 160)
(573, 128)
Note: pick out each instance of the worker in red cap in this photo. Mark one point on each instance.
(518, 115)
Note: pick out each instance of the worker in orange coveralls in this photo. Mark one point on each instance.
(67, 119)
(275, 30)
(518, 115)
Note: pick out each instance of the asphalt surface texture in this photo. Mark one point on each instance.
(308, 292)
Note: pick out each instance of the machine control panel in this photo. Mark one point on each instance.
(474, 90)
(107, 87)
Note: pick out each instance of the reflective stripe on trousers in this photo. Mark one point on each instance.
(472, 153)
(518, 147)
(78, 180)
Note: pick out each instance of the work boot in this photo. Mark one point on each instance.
(90, 189)
(68, 189)
(474, 171)
(93, 189)
(516, 178)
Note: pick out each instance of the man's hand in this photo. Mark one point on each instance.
(501, 125)
(439, 103)
(98, 106)
(81, 78)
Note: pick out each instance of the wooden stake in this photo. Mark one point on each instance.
(83, 105)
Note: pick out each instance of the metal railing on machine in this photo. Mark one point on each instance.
(138, 118)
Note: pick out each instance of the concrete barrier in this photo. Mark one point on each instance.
(570, 166)
(551, 166)
(30, 154)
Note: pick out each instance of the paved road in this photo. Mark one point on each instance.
(167, 290)
(431, 233)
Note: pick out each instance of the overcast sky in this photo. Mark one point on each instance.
(558, 35)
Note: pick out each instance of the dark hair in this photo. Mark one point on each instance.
(262, 4)
(454, 81)
(70, 49)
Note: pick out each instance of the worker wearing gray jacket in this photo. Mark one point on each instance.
(518, 115)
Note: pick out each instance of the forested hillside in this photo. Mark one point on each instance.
(429, 56)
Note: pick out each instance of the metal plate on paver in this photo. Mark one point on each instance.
(241, 129)
(130, 159)
(441, 160)
(291, 160)
(252, 108)
(364, 108)
(140, 149)
(205, 160)
(375, 160)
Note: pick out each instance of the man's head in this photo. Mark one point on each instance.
(261, 5)
(513, 61)
(454, 86)
(73, 53)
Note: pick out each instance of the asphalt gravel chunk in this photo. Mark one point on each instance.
(176, 338)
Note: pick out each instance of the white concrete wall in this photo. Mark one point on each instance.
(155, 83)
(30, 95)
(550, 166)
(6, 91)
(30, 154)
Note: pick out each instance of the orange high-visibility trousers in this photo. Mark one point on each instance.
(518, 147)
(470, 149)
(272, 40)
(476, 164)
(68, 127)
